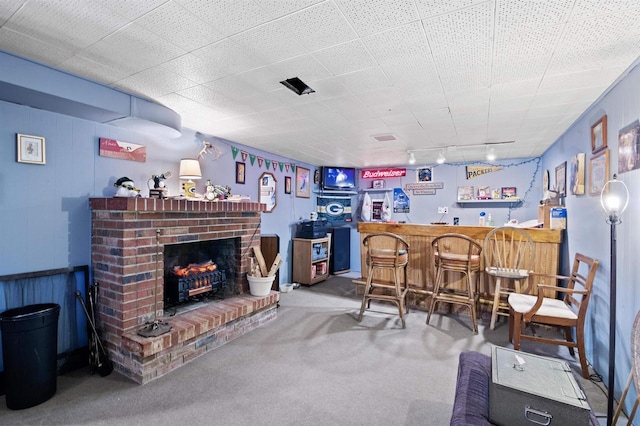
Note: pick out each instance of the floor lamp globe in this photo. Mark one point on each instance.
(614, 199)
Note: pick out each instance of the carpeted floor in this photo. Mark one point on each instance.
(314, 365)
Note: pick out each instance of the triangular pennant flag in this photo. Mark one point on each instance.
(286, 167)
(267, 164)
(281, 164)
(234, 152)
(293, 168)
(274, 164)
(252, 158)
(260, 160)
(244, 155)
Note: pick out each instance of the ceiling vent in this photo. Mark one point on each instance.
(297, 85)
(385, 138)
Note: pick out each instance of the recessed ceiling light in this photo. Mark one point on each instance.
(297, 85)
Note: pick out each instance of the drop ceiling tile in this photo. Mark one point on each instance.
(346, 57)
(516, 105)
(305, 67)
(228, 56)
(378, 15)
(102, 73)
(349, 107)
(577, 80)
(270, 42)
(525, 15)
(401, 43)
(365, 80)
(233, 87)
(514, 89)
(28, 47)
(154, 82)
(205, 96)
(69, 25)
(409, 70)
(131, 9)
(318, 26)
(228, 17)
(196, 69)
(278, 8)
(584, 94)
(468, 97)
(176, 24)
(429, 8)
(8, 8)
(133, 49)
(590, 8)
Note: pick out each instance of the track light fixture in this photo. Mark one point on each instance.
(491, 154)
(441, 159)
(412, 158)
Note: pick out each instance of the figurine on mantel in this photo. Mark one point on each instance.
(126, 188)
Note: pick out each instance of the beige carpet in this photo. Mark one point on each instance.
(314, 365)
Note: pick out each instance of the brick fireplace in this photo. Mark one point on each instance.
(124, 261)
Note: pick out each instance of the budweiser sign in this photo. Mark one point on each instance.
(383, 173)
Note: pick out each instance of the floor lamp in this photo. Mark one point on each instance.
(614, 199)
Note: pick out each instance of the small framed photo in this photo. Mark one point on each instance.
(424, 174)
(303, 182)
(599, 135)
(508, 192)
(240, 172)
(377, 184)
(316, 177)
(287, 184)
(598, 172)
(561, 179)
(576, 179)
(31, 149)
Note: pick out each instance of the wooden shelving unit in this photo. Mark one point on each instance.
(310, 260)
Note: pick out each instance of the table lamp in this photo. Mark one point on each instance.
(190, 169)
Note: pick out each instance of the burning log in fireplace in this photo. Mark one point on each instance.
(192, 280)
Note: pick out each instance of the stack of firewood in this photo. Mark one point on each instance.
(259, 266)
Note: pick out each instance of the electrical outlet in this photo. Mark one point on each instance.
(443, 210)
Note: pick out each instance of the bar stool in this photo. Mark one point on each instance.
(508, 255)
(386, 251)
(455, 253)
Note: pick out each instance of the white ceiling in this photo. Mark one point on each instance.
(432, 73)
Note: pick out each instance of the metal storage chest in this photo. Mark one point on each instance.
(540, 391)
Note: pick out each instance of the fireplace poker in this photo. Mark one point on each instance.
(98, 358)
(157, 327)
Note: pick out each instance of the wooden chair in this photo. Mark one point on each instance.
(508, 255)
(634, 374)
(386, 251)
(455, 253)
(568, 313)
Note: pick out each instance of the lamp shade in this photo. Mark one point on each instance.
(190, 169)
(614, 199)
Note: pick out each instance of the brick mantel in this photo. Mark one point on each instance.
(126, 255)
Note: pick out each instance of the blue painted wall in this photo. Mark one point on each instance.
(589, 234)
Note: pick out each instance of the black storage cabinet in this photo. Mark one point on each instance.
(29, 351)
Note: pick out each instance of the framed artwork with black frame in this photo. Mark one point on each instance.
(240, 172)
(561, 179)
(287, 184)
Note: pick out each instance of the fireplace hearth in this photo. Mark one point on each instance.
(125, 256)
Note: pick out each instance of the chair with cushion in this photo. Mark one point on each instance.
(461, 254)
(567, 313)
(508, 256)
(386, 251)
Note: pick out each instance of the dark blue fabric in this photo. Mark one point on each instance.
(471, 403)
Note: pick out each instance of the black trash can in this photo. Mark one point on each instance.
(29, 351)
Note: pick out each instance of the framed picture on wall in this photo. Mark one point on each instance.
(287, 184)
(240, 172)
(629, 147)
(599, 135)
(576, 179)
(303, 183)
(424, 174)
(561, 179)
(30, 149)
(598, 172)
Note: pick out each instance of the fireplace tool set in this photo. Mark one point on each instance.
(98, 357)
(157, 327)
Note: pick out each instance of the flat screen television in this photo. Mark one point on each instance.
(338, 178)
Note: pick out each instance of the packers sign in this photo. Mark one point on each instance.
(475, 171)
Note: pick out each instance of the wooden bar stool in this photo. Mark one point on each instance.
(391, 252)
(456, 253)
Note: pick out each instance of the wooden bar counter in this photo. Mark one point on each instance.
(421, 269)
